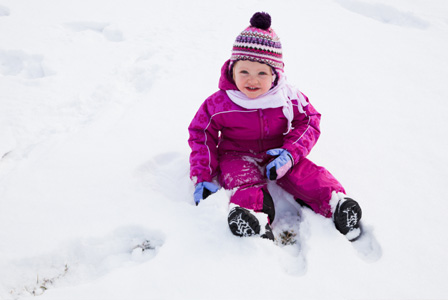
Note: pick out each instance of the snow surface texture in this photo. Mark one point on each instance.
(95, 200)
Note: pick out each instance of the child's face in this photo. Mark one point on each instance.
(252, 78)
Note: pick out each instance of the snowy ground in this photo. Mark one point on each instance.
(95, 100)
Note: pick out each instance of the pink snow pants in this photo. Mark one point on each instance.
(246, 176)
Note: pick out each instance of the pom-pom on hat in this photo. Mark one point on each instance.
(259, 43)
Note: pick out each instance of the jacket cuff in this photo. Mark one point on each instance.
(294, 153)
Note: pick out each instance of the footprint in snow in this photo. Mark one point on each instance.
(145, 71)
(19, 63)
(4, 11)
(288, 232)
(367, 246)
(80, 261)
(105, 29)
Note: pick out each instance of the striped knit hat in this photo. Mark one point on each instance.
(259, 43)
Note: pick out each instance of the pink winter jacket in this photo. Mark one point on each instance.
(220, 125)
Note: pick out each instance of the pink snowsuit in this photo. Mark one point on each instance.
(230, 142)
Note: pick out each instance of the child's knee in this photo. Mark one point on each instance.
(256, 198)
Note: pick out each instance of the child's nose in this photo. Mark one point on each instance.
(252, 79)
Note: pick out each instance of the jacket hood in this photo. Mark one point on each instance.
(226, 81)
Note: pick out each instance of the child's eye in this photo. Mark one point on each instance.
(262, 73)
(244, 72)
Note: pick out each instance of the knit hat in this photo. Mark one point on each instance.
(259, 43)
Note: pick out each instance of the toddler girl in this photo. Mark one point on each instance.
(258, 127)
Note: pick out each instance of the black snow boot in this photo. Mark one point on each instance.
(346, 218)
(243, 223)
(268, 234)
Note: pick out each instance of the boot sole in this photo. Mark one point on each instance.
(242, 222)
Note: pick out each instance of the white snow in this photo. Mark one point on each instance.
(95, 200)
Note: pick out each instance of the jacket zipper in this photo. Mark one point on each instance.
(260, 142)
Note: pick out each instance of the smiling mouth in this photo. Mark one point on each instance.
(252, 88)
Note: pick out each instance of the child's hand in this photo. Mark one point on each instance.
(203, 190)
(277, 168)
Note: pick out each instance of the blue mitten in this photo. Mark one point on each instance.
(203, 190)
(277, 168)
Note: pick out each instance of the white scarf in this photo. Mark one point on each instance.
(280, 96)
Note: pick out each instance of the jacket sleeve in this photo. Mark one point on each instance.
(306, 132)
(203, 141)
